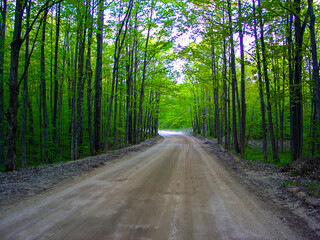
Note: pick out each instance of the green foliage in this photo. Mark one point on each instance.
(175, 108)
(289, 182)
(313, 188)
(256, 154)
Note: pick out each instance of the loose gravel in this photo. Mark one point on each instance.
(26, 182)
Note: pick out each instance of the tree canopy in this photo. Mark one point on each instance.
(79, 78)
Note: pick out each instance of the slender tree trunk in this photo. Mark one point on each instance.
(144, 71)
(265, 72)
(234, 82)
(117, 53)
(89, 80)
(315, 65)
(215, 92)
(3, 11)
(98, 81)
(80, 88)
(115, 111)
(282, 102)
(205, 126)
(25, 95)
(243, 89)
(14, 88)
(73, 102)
(129, 93)
(225, 93)
(56, 85)
(296, 89)
(43, 84)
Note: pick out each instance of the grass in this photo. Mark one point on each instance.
(257, 155)
(313, 188)
(289, 183)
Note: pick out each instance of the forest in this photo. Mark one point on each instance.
(78, 78)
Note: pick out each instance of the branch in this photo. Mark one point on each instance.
(45, 6)
(94, 7)
(29, 57)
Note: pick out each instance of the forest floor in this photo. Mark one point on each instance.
(185, 187)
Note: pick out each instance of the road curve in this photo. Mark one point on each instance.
(174, 190)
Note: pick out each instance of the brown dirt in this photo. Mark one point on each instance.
(178, 189)
(299, 206)
(26, 182)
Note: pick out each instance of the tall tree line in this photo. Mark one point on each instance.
(256, 53)
(76, 82)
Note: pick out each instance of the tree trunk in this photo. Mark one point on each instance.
(80, 87)
(204, 119)
(243, 97)
(3, 11)
(117, 53)
(315, 65)
(89, 80)
(225, 93)
(129, 93)
(115, 111)
(56, 85)
(73, 101)
(234, 83)
(265, 72)
(43, 84)
(296, 89)
(14, 88)
(144, 76)
(215, 86)
(98, 81)
(25, 95)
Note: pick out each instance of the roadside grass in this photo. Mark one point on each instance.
(256, 154)
(313, 188)
(289, 182)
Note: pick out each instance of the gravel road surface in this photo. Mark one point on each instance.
(173, 190)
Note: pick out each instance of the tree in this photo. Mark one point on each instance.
(266, 77)
(14, 87)
(98, 80)
(3, 11)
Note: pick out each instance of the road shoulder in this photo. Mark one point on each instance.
(24, 187)
(266, 182)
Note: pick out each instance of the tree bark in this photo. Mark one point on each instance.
(14, 88)
(56, 85)
(261, 94)
(117, 53)
(296, 89)
(43, 84)
(315, 66)
(3, 11)
(144, 71)
(25, 95)
(89, 80)
(243, 86)
(80, 86)
(225, 92)
(265, 73)
(98, 81)
(234, 82)
(215, 92)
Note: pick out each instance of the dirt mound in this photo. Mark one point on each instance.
(306, 166)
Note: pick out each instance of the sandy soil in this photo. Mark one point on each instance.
(174, 190)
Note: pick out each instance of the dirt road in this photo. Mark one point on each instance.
(174, 190)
